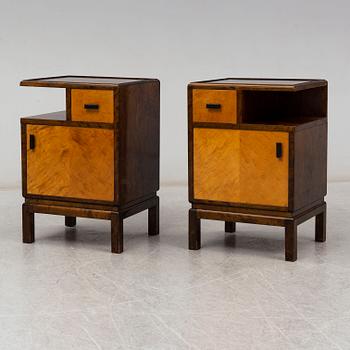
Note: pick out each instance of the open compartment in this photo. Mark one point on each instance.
(282, 107)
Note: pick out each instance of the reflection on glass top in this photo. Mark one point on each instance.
(258, 81)
(91, 80)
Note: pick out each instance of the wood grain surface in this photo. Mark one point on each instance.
(240, 166)
(226, 98)
(216, 164)
(71, 162)
(104, 99)
(263, 176)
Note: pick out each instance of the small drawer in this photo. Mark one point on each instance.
(214, 106)
(92, 105)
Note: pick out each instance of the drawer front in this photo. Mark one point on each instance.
(214, 106)
(92, 105)
(241, 166)
(70, 162)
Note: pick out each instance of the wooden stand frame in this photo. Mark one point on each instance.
(257, 153)
(116, 216)
(289, 223)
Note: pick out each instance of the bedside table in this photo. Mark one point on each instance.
(258, 154)
(98, 159)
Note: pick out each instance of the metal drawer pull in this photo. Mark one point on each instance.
(91, 106)
(31, 141)
(278, 149)
(213, 105)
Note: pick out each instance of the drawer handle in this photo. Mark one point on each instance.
(31, 141)
(278, 149)
(213, 105)
(91, 106)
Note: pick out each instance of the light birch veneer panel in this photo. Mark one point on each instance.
(71, 162)
(226, 98)
(216, 164)
(103, 98)
(263, 176)
(240, 166)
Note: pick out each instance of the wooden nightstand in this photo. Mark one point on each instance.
(98, 159)
(258, 154)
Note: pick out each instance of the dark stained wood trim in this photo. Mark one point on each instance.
(190, 143)
(67, 199)
(240, 205)
(68, 123)
(240, 217)
(257, 211)
(117, 177)
(78, 204)
(69, 211)
(69, 104)
(291, 172)
(24, 159)
(310, 83)
(239, 107)
(308, 214)
(137, 208)
(42, 82)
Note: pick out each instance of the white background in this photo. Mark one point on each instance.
(177, 42)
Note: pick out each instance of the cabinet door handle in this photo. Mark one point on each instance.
(213, 105)
(91, 106)
(31, 141)
(279, 149)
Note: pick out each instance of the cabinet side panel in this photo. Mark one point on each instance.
(139, 127)
(310, 166)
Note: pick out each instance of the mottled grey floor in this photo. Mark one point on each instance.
(67, 291)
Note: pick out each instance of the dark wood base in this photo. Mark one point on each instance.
(70, 221)
(288, 221)
(72, 211)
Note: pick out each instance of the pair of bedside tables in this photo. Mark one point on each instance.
(257, 154)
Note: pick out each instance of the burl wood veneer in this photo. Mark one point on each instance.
(258, 154)
(98, 159)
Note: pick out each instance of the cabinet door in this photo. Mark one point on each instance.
(240, 166)
(216, 164)
(71, 162)
(263, 173)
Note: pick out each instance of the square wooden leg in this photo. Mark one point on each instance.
(70, 221)
(291, 241)
(230, 226)
(153, 219)
(116, 233)
(27, 224)
(194, 230)
(320, 226)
